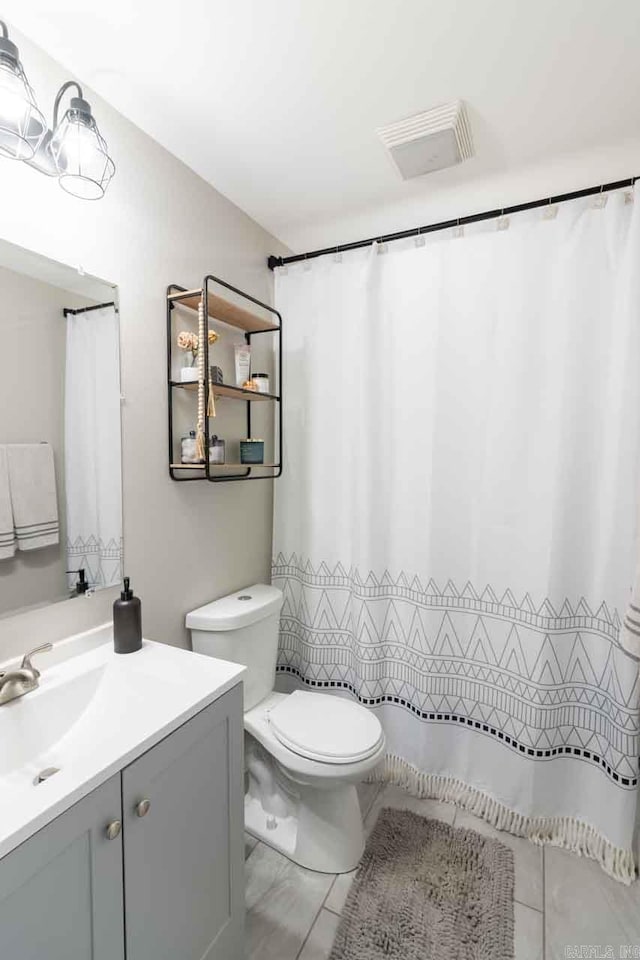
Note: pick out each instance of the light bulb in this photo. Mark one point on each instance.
(14, 107)
(80, 153)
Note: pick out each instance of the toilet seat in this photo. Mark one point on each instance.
(325, 728)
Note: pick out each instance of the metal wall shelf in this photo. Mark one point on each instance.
(223, 311)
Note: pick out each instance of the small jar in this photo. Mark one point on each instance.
(216, 450)
(261, 381)
(251, 451)
(188, 449)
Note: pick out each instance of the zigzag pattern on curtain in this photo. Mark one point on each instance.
(544, 682)
(102, 561)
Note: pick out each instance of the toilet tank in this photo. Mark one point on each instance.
(243, 628)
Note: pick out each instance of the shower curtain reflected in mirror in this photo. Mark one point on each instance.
(93, 469)
(455, 528)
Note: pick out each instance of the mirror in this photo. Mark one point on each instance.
(60, 437)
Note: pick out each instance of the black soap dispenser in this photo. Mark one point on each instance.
(127, 621)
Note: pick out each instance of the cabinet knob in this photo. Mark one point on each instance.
(142, 808)
(113, 829)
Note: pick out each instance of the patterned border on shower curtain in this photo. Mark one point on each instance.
(541, 681)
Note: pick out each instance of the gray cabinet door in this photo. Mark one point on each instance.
(61, 890)
(183, 859)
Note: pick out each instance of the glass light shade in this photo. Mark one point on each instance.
(81, 157)
(22, 126)
(42, 161)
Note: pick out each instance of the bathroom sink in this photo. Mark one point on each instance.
(93, 713)
(32, 725)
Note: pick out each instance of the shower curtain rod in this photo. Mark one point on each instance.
(95, 306)
(274, 262)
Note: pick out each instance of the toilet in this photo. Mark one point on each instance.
(304, 751)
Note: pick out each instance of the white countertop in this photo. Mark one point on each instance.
(92, 715)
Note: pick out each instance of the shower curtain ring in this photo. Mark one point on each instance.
(629, 196)
(600, 200)
(503, 222)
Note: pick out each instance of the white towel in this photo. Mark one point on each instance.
(32, 482)
(7, 533)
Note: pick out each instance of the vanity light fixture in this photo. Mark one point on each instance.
(22, 126)
(74, 151)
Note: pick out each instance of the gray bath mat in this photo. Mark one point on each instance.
(428, 891)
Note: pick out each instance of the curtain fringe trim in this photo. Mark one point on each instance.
(565, 832)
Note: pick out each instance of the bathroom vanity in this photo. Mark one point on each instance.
(134, 847)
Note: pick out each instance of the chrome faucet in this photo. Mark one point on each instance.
(15, 683)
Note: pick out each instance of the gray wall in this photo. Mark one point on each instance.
(159, 223)
(32, 331)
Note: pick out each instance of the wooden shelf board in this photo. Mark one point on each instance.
(224, 466)
(224, 311)
(224, 390)
(187, 385)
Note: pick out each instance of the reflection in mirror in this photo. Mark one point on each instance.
(60, 456)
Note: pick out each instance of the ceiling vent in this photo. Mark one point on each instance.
(429, 141)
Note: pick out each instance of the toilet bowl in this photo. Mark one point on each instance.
(304, 751)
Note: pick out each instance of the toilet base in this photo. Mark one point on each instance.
(321, 829)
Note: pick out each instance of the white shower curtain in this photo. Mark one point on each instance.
(455, 528)
(93, 474)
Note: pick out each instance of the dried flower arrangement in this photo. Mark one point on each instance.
(190, 341)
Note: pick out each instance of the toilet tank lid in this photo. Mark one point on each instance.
(240, 609)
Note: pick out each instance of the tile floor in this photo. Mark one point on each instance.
(560, 900)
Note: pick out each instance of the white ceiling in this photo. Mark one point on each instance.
(276, 103)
